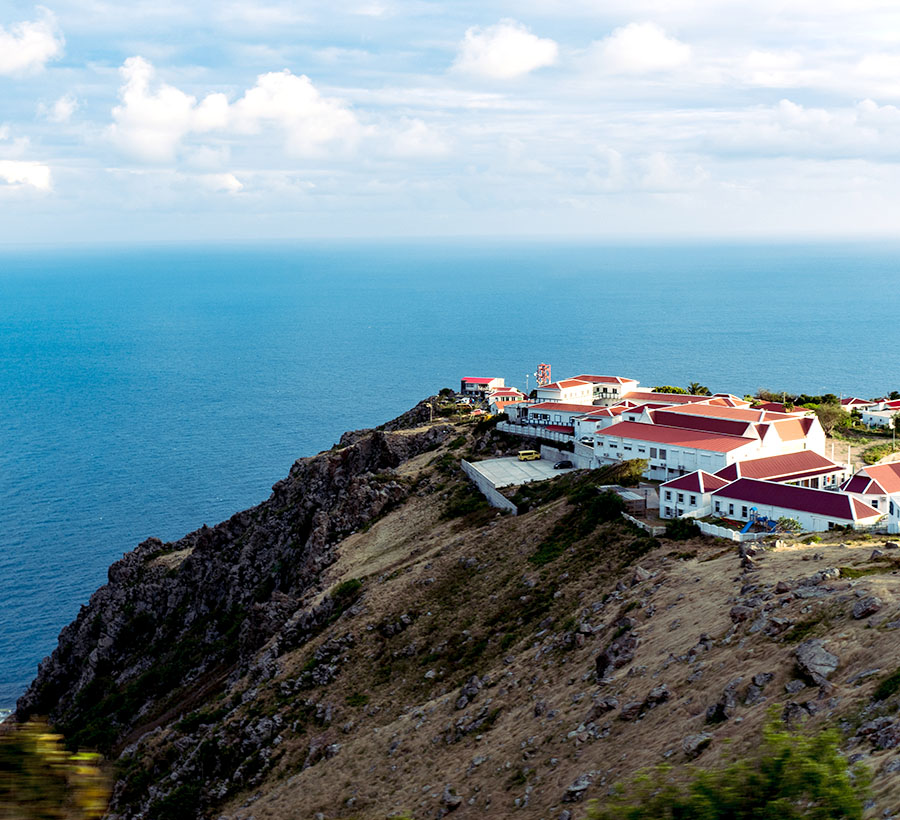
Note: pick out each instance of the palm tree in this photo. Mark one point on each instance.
(697, 389)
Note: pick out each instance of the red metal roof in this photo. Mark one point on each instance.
(561, 428)
(827, 503)
(675, 436)
(665, 398)
(478, 379)
(725, 427)
(790, 466)
(885, 478)
(603, 379)
(561, 406)
(697, 482)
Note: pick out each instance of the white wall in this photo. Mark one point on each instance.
(809, 521)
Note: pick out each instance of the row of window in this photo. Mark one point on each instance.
(693, 498)
(654, 452)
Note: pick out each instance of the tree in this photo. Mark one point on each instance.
(832, 416)
(789, 524)
(789, 777)
(668, 388)
(697, 389)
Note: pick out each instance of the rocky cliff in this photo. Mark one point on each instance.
(374, 640)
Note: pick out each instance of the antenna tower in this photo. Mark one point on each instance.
(543, 375)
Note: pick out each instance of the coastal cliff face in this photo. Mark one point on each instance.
(375, 641)
(176, 619)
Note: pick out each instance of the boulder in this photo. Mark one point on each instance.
(693, 745)
(575, 792)
(865, 607)
(815, 662)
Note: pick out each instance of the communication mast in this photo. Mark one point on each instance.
(543, 375)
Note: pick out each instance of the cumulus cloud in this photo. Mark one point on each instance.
(19, 173)
(151, 123)
(504, 51)
(28, 46)
(641, 48)
(291, 102)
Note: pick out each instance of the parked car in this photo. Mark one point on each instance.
(565, 464)
(587, 440)
(529, 455)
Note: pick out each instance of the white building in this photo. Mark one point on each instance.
(816, 510)
(478, 386)
(877, 486)
(608, 389)
(671, 451)
(804, 468)
(880, 414)
(688, 495)
(567, 391)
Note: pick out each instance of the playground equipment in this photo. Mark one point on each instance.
(756, 518)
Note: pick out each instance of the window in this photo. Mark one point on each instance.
(652, 452)
(718, 507)
(694, 499)
(731, 509)
(668, 512)
(668, 495)
(875, 503)
(662, 453)
(743, 512)
(892, 507)
(626, 446)
(642, 449)
(680, 497)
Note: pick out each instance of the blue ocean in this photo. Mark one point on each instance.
(149, 390)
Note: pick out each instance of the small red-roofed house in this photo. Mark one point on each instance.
(499, 398)
(608, 389)
(688, 495)
(816, 510)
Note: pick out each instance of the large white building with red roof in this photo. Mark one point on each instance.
(587, 389)
(804, 468)
(816, 510)
(688, 494)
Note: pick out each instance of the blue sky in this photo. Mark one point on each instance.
(623, 119)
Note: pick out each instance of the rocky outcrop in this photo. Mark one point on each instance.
(188, 613)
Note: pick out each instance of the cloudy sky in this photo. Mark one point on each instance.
(160, 119)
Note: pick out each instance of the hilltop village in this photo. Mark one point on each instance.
(738, 468)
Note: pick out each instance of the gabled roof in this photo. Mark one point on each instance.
(722, 426)
(696, 482)
(674, 436)
(499, 391)
(879, 479)
(827, 503)
(479, 379)
(606, 412)
(788, 467)
(852, 401)
(604, 379)
(664, 398)
(561, 406)
(738, 413)
(562, 384)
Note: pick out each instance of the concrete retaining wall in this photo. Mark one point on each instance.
(488, 490)
(654, 531)
(554, 454)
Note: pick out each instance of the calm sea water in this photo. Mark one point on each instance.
(146, 391)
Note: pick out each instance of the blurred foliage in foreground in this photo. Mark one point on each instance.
(789, 777)
(40, 780)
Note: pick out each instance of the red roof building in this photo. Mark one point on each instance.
(806, 468)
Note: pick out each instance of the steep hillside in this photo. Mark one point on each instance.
(375, 640)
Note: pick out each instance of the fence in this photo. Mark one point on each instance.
(487, 489)
(533, 431)
(733, 535)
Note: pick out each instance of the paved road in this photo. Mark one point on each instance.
(505, 472)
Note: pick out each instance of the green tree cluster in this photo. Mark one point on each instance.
(791, 776)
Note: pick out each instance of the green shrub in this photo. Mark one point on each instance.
(789, 777)
(681, 529)
(889, 686)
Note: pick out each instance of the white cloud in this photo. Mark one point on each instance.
(19, 173)
(309, 121)
(641, 48)
(221, 183)
(28, 46)
(61, 110)
(151, 124)
(504, 51)
(418, 139)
